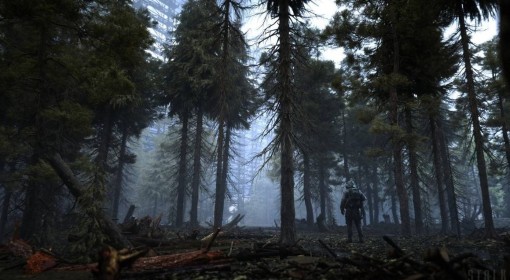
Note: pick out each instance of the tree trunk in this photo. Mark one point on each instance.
(307, 194)
(506, 139)
(226, 156)
(370, 203)
(322, 189)
(477, 133)
(448, 177)
(439, 174)
(287, 210)
(219, 201)
(197, 168)
(375, 191)
(120, 174)
(394, 211)
(225, 161)
(31, 221)
(76, 190)
(241, 177)
(397, 146)
(32, 214)
(344, 150)
(182, 176)
(413, 168)
(5, 203)
(5, 211)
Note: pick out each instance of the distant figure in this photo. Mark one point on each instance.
(352, 207)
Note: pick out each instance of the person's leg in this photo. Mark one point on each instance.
(348, 220)
(358, 228)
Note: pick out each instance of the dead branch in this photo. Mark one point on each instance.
(211, 240)
(397, 252)
(328, 249)
(232, 224)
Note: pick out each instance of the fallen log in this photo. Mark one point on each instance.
(162, 262)
(40, 261)
(111, 261)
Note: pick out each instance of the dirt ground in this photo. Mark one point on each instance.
(254, 254)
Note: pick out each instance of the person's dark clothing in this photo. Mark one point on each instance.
(352, 207)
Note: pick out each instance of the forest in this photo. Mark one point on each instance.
(196, 158)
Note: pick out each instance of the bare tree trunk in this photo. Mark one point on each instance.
(219, 201)
(5, 203)
(197, 167)
(182, 176)
(448, 177)
(344, 150)
(31, 221)
(394, 211)
(225, 161)
(287, 210)
(370, 203)
(120, 174)
(5, 211)
(439, 174)
(413, 167)
(32, 216)
(375, 191)
(307, 194)
(477, 133)
(322, 189)
(397, 145)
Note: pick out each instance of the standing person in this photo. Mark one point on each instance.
(352, 207)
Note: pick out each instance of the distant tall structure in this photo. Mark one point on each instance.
(163, 12)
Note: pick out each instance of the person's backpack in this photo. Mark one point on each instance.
(354, 200)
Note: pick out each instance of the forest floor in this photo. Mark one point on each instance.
(253, 254)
